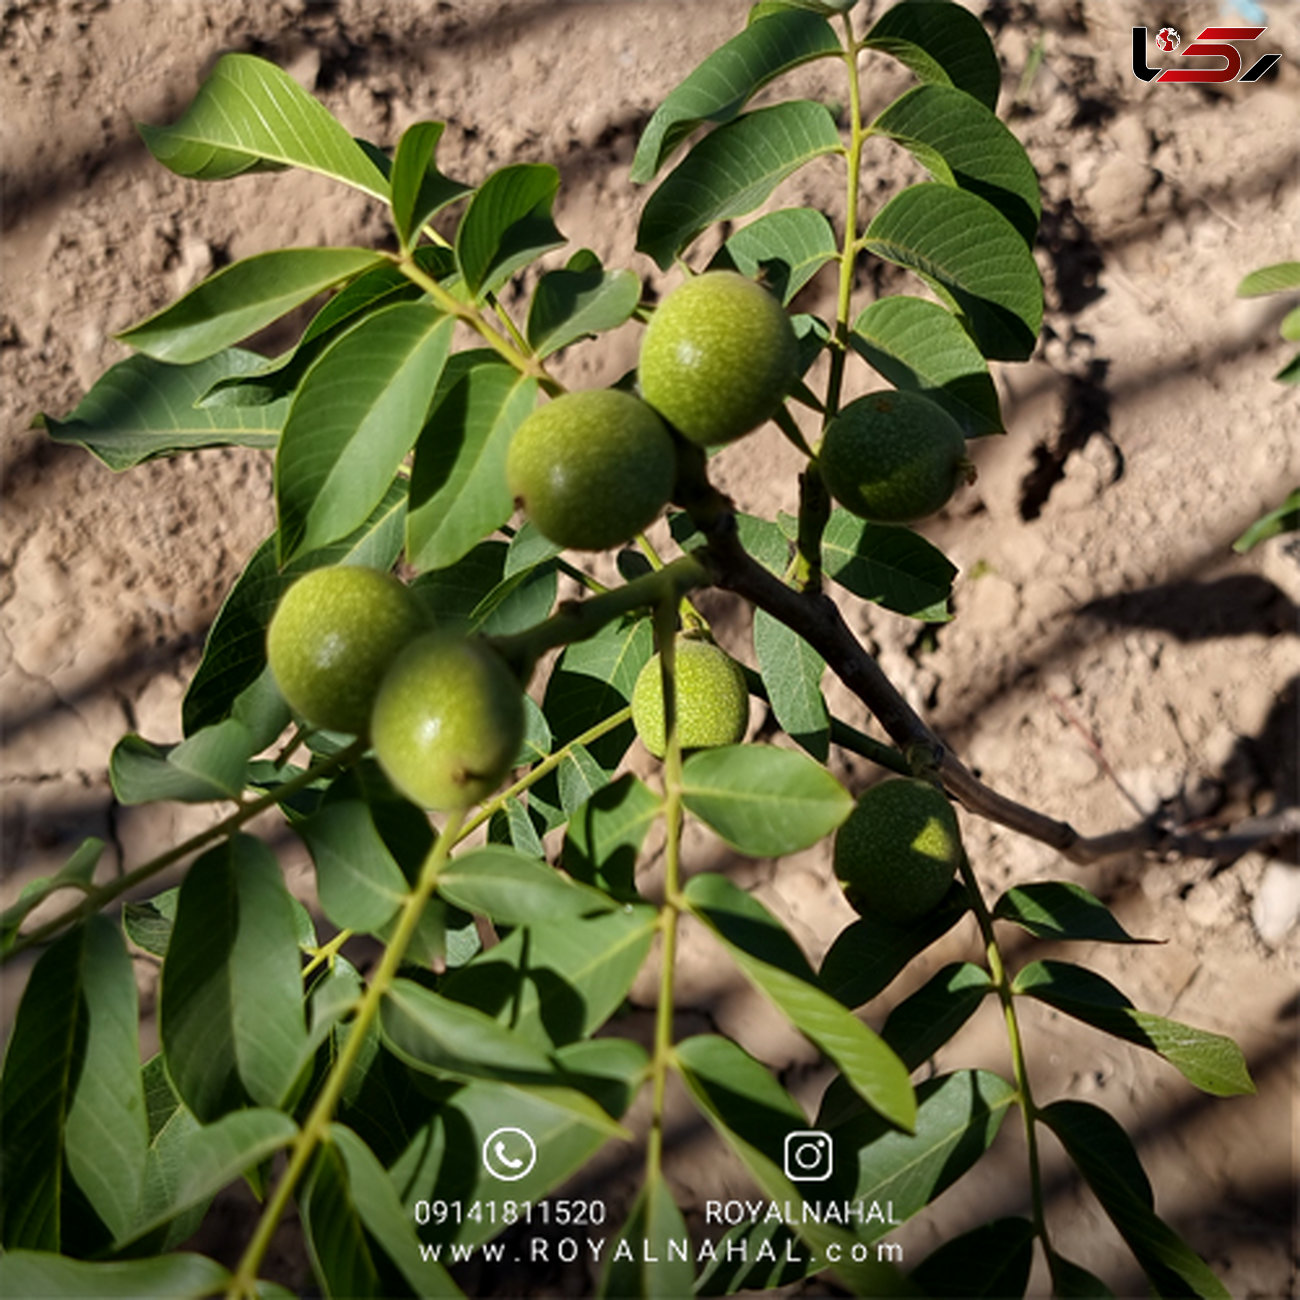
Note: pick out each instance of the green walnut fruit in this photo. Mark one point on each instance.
(712, 699)
(893, 457)
(332, 638)
(592, 469)
(717, 358)
(896, 854)
(448, 721)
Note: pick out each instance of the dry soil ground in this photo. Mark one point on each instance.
(1110, 655)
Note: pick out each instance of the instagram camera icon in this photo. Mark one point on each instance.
(809, 1156)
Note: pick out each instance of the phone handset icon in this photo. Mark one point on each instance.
(504, 1159)
(509, 1154)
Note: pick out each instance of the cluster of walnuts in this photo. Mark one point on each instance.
(591, 469)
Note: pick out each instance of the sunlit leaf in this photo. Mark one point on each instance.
(250, 116)
(965, 248)
(765, 802)
(942, 44)
(419, 189)
(964, 144)
(241, 299)
(792, 672)
(507, 225)
(731, 172)
(786, 249)
(919, 346)
(1060, 909)
(354, 418)
(721, 86)
(605, 835)
(141, 408)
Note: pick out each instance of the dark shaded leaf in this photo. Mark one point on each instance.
(921, 1024)
(1212, 1062)
(605, 835)
(992, 1260)
(1110, 1166)
(211, 765)
(921, 347)
(1060, 909)
(77, 873)
(581, 300)
(419, 189)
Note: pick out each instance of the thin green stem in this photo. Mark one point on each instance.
(106, 893)
(577, 620)
(548, 764)
(844, 305)
(1028, 1110)
(666, 640)
(521, 360)
(315, 1129)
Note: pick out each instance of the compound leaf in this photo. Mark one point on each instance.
(1212, 1062)
(354, 418)
(964, 144)
(580, 300)
(251, 116)
(918, 345)
(234, 656)
(340, 1251)
(141, 409)
(942, 44)
(240, 299)
(1105, 1157)
(230, 1010)
(514, 889)
(721, 86)
(731, 172)
(507, 225)
(764, 802)
(1060, 909)
(419, 189)
(792, 672)
(458, 481)
(966, 249)
(772, 961)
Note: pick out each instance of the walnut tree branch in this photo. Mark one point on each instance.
(815, 617)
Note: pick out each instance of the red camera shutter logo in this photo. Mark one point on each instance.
(1210, 44)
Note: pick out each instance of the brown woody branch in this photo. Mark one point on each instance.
(818, 620)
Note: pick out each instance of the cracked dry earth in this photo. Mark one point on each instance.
(1110, 655)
